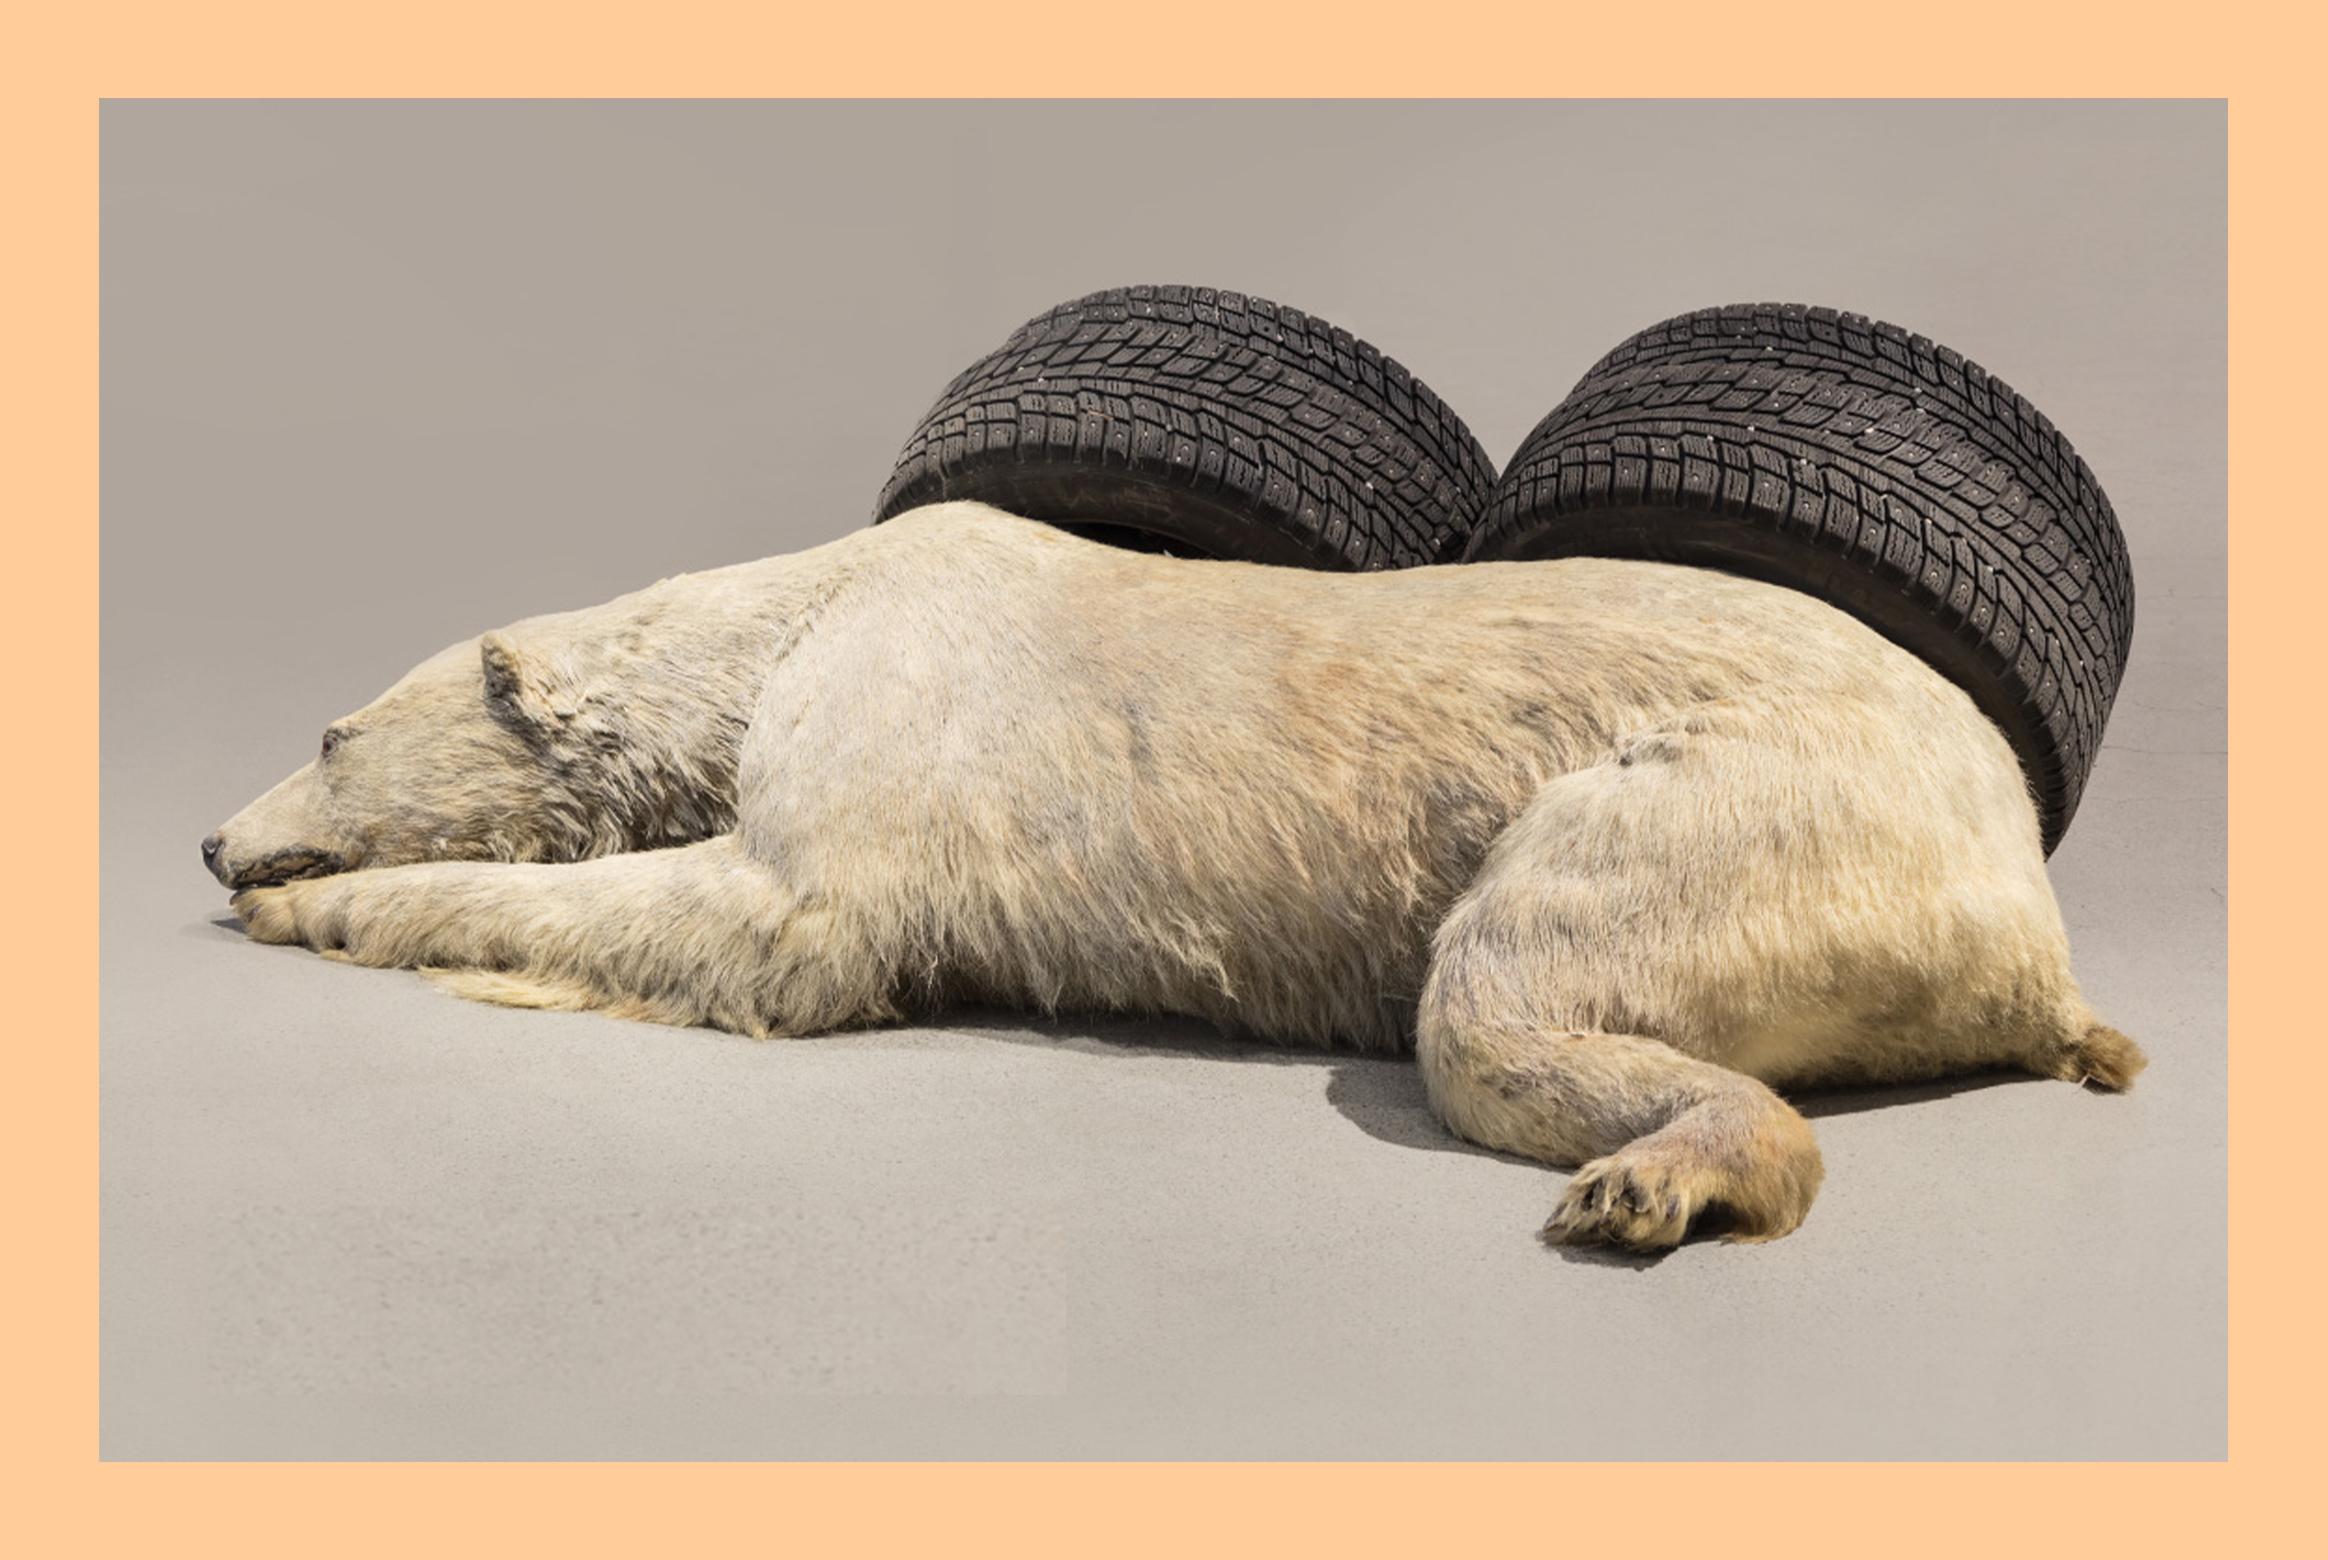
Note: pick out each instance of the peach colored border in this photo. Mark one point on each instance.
(62, 61)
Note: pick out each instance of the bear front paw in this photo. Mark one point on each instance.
(318, 914)
(267, 914)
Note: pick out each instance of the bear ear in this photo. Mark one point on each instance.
(517, 681)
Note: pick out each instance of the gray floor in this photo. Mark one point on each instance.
(376, 378)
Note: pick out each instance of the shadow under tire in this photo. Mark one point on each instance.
(1197, 421)
(1867, 466)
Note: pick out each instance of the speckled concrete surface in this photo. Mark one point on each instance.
(376, 379)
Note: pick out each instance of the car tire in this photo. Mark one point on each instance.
(1196, 421)
(1868, 466)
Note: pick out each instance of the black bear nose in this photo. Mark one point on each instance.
(210, 849)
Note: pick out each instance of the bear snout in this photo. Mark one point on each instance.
(276, 866)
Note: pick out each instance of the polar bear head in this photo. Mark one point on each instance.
(518, 746)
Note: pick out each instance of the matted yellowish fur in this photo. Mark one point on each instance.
(1619, 848)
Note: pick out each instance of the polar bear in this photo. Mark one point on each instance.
(1618, 848)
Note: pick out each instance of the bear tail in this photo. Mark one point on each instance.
(2097, 1054)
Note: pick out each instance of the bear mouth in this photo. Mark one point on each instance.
(286, 866)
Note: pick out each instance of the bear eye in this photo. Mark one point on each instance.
(332, 738)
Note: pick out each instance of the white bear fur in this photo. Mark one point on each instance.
(1618, 847)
